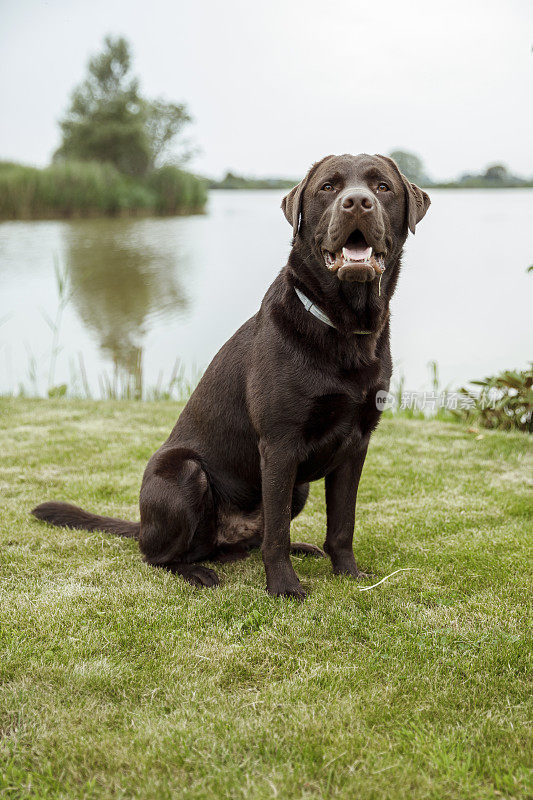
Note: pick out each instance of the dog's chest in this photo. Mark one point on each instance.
(330, 416)
(331, 428)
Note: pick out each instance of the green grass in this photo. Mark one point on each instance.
(121, 681)
(88, 189)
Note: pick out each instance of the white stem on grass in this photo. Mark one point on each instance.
(402, 569)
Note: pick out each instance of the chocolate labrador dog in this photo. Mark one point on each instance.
(290, 398)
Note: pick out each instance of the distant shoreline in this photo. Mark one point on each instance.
(433, 186)
(215, 187)
(91, 190)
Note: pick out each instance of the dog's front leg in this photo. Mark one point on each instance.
(278, 473)
(341, 494)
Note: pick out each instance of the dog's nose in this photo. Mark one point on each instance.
(358, 201)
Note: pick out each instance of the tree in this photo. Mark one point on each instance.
(108, 119)
(163, 123)
(410, 165)
(497, 173)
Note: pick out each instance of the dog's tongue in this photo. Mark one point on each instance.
(357, 252)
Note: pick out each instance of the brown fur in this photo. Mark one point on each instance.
(288, 399)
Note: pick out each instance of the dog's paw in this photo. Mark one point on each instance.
(287, 589)
(305, 549)
(197, 575)
(345, 564)
(352, 571)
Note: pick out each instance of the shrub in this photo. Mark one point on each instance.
(177, 190)
(503, 401)
(70, 188)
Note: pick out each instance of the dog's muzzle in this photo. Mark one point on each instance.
(355, 260)
(353, 247)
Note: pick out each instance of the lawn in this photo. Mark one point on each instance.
(121, 681)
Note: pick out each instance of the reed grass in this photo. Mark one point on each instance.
(175, 188)
(88, 189)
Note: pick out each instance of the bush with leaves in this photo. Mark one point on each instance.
(502, 401)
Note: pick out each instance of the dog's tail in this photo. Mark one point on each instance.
(68, 516)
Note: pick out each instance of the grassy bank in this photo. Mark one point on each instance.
(120, 681)
(237, 182)
(88, 189)
(232, 181)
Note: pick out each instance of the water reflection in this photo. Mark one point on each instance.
(147, 292)
(121, 275)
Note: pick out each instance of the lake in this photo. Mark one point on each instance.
(143, 293)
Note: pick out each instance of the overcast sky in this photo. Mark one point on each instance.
(275, 85)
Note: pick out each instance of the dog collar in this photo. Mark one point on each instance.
(317, 312)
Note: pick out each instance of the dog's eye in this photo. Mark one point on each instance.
(382, 187)
(327, 187)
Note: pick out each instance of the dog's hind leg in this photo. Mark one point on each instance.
(177, 516)
(299, 498)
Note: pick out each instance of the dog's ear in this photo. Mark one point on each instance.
(418, 203)
(417, 200)
(291, 205)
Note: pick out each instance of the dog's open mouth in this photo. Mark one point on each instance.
(357, 255)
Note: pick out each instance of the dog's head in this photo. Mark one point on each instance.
(353, 213)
